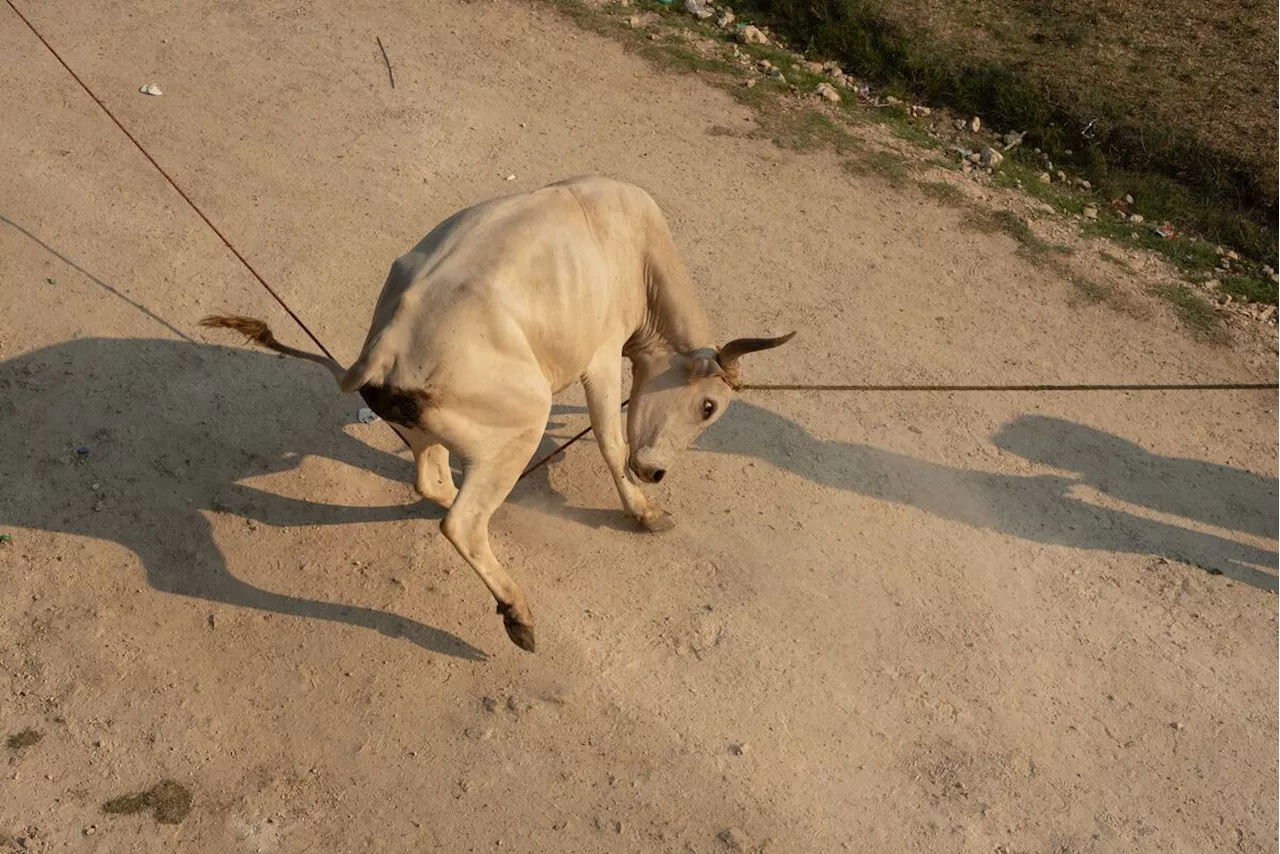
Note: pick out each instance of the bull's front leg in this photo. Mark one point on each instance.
(603, 385)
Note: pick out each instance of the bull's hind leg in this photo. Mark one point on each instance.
(494, 462)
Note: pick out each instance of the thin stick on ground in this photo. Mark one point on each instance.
(390, 74)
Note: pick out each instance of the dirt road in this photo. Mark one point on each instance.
(971, 623)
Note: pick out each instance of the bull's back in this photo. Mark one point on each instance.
(551, 275)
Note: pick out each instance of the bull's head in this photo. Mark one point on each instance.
(672, 403)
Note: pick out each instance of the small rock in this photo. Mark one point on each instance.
(1233, 255)
(749, 34)
(1135, 218)
(511, 177)
(959, 123)
(90, 830)
(1175, 725)
(634, 22)
(827, 91)
(991, 158)
(921, 111)
(815, 67)
(479, 733)
(1266, 268)
(975, 124)
(1267, 313)
(150, 89)
(1090, 212)
(726, 19)
(1061, 176)
(738, 749)
(1045, 178)
(732, 839)
(98, 506)
(750, 83)
(975, 158)
(1013, 139)
(1083, 184)
(1128, 200)
(892, 101)
(489, 704)
(367, 415)
(697, 8)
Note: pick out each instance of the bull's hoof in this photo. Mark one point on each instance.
(658, 522)
(521, 633)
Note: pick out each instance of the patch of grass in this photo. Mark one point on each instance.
(1116, 260)
(941, 191)
(23, 738)
(888, 165)
(1193, 310)
(169, 802)
(1251, 289)
(1029, 77)
(1016, 227)
(1091, 290)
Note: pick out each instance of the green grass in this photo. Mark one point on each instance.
(941, 191)
(1008, 222)
(1177, 176)
(1193, 310)
(888, 165)
(1251, 289)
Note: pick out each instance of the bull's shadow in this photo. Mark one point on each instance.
(1039, 507)
(170, 429)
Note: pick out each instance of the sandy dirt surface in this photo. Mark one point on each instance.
(970, 623)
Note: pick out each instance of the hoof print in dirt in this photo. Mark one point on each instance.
(168, 801)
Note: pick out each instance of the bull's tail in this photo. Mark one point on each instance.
(259, 333)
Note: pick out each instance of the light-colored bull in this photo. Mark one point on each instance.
(506, 303)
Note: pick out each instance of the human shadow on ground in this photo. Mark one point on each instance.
(1038, 508)
(169, 431)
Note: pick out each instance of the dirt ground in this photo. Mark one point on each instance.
(969, 623)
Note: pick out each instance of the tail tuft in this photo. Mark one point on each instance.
(255, 330)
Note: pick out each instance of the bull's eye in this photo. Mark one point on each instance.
(708, 408)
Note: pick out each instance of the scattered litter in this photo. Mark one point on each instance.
(150, 89)
(1165, 230)
(6, 538)
(51, 280)
(367, 415)
(511, 177)
(726, 19)
(82, 451)
(864, 91)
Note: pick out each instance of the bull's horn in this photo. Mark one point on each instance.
(730, 353)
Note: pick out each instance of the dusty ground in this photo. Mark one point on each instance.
(966, 623)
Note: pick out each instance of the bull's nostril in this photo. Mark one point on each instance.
(659, 474)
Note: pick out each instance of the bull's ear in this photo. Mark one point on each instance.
(703, 363)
